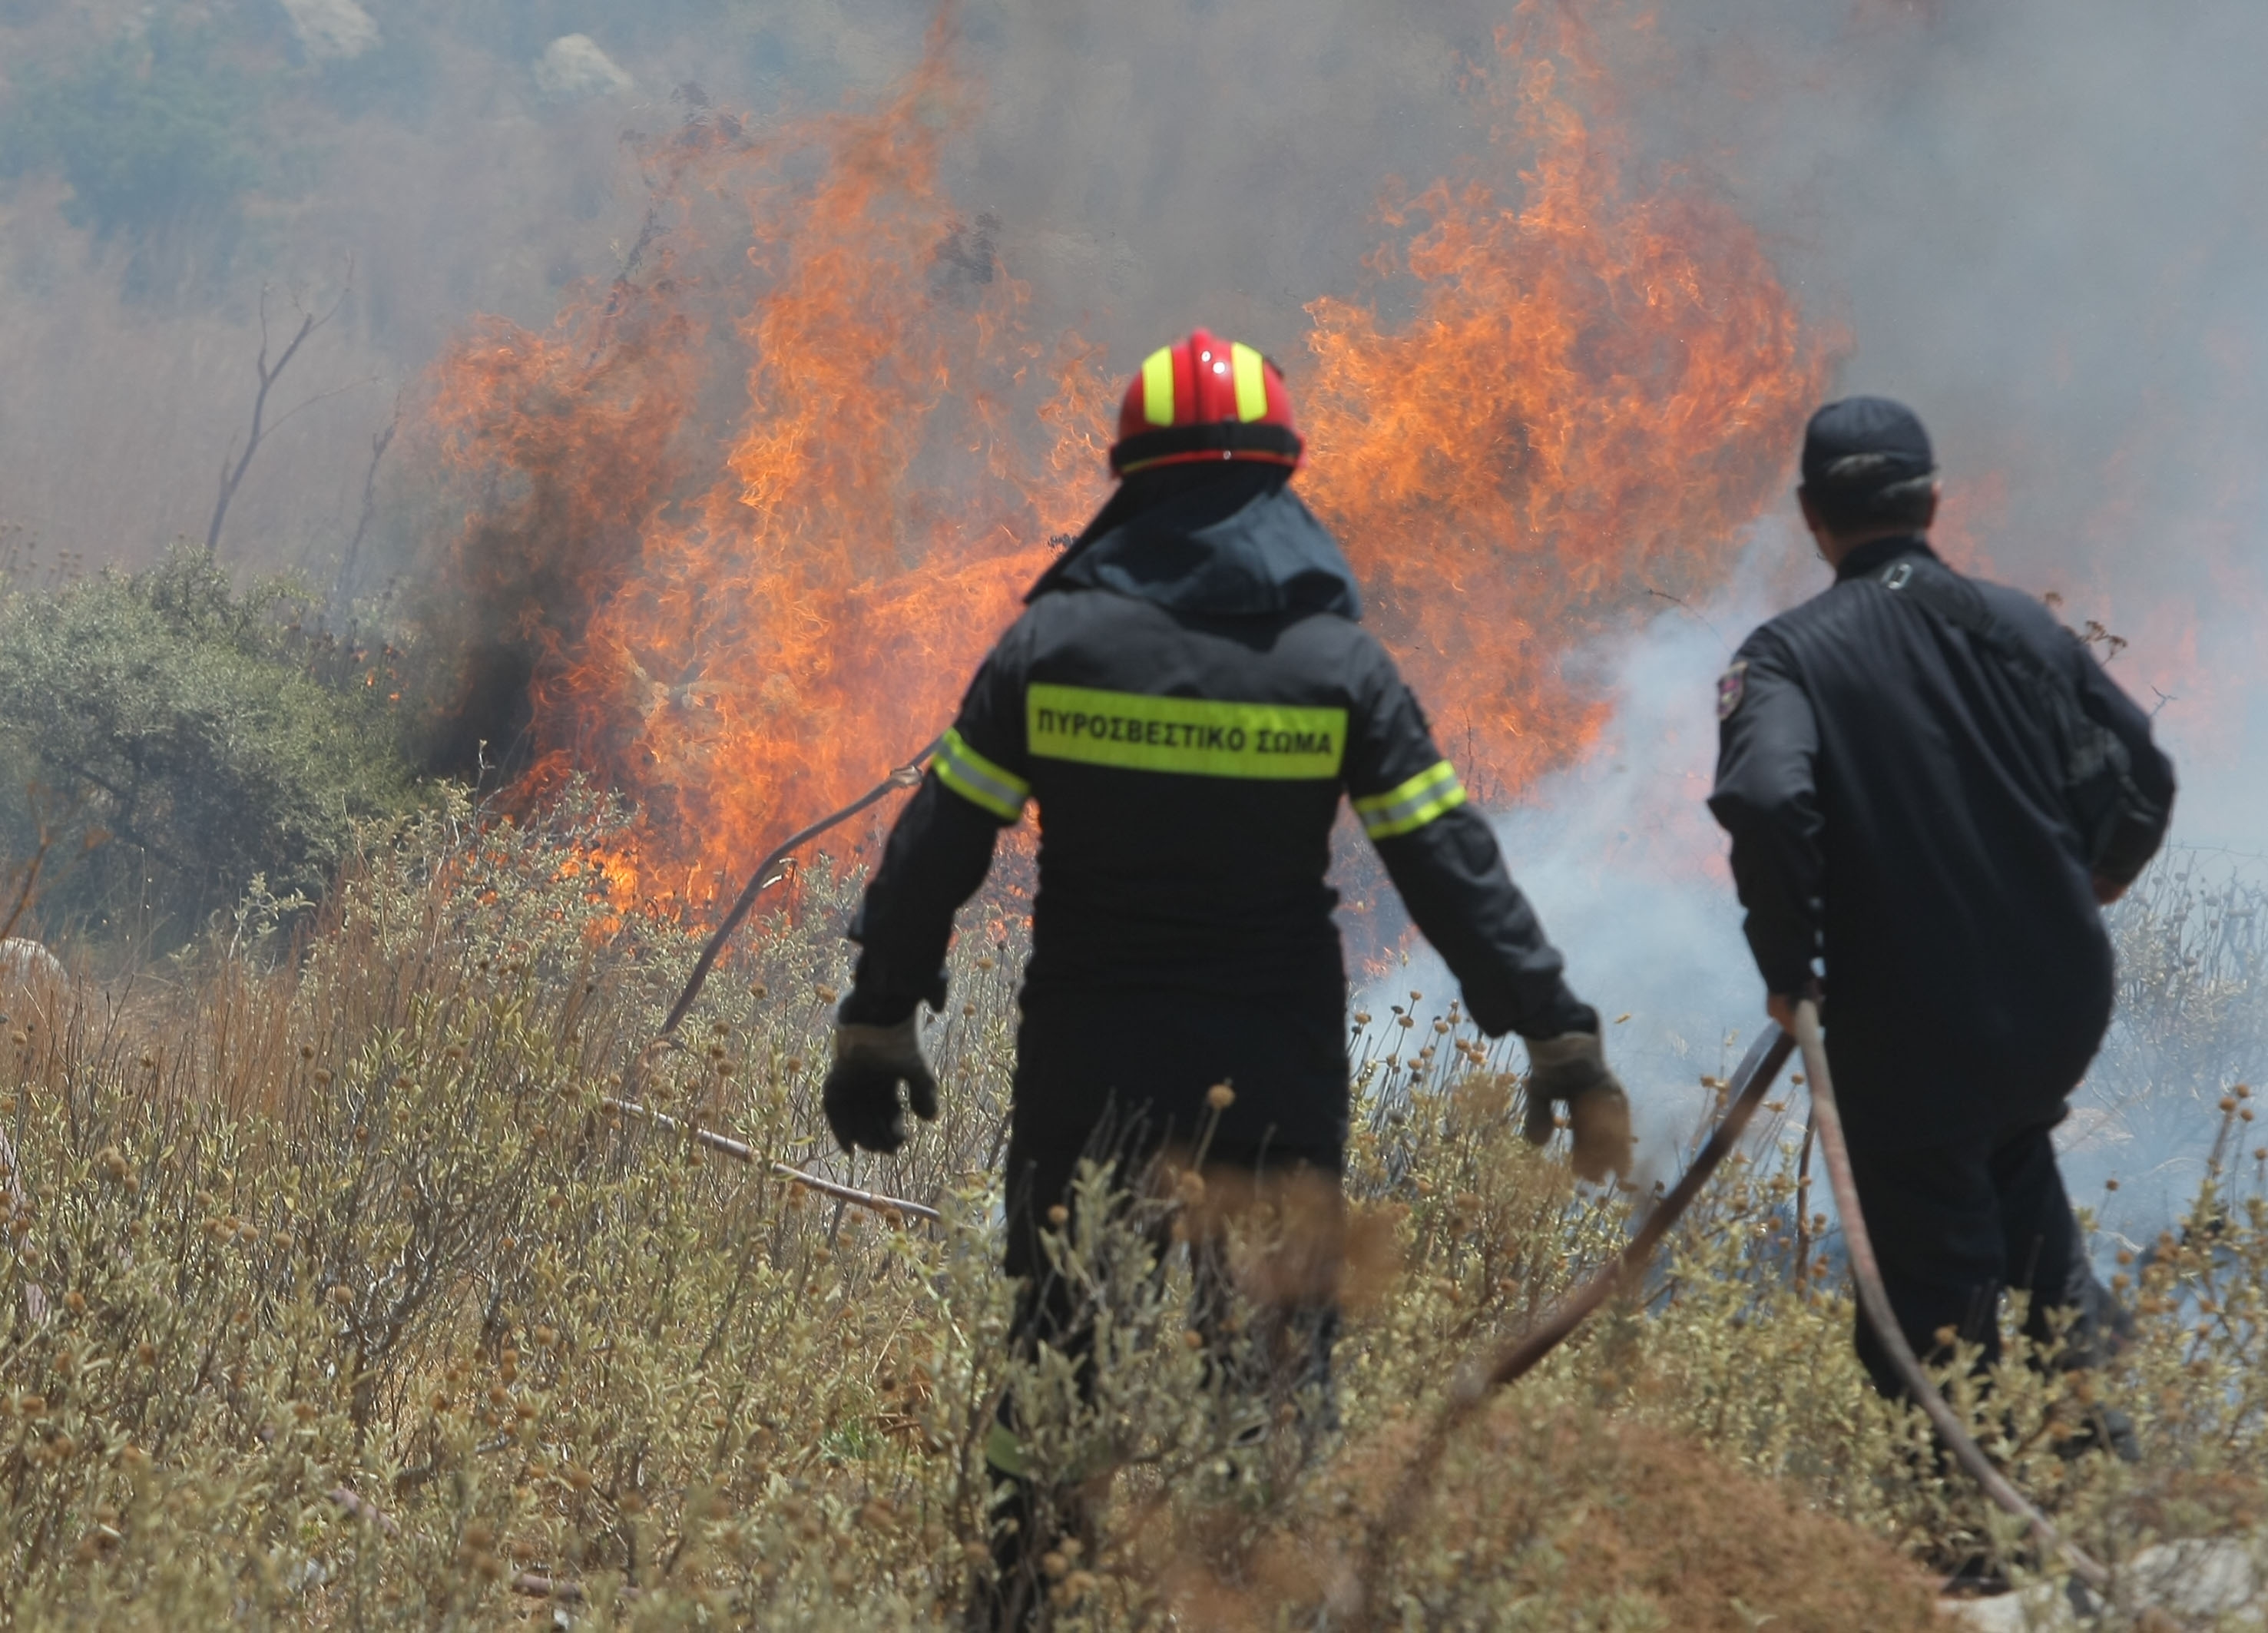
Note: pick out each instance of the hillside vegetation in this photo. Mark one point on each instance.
(171, 750)
(335, 1297)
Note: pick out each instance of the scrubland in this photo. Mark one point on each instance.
(335, 1297)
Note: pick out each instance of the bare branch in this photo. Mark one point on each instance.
(378, 444)
(31, 881)
(321, 396)
(232, 475)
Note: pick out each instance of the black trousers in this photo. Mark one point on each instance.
(1955, 1225)
(1294, 1344)
(1042, 1176)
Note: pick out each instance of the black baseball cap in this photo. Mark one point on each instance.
(1862, 445)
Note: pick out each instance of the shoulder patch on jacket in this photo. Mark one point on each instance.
(1731, 685)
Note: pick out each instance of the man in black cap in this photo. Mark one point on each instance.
(1932, 788)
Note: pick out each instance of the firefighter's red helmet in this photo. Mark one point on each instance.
(1205, 399)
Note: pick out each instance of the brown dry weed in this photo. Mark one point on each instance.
(335, 1296)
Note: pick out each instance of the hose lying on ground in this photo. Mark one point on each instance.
(769, 872)
(742, 1150)
(1875, 1302)
(1474, 1385)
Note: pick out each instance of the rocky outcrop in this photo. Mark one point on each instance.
(331, 30)
(573, 69)
(22, 958)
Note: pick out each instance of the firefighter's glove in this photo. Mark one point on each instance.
(861, 1096)
(1571, 1068)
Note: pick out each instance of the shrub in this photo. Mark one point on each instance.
(200, 732)
(2192, 1014)
(335, 1294)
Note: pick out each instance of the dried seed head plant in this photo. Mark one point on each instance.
(335, 1294)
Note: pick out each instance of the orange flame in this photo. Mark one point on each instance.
(1595, 393)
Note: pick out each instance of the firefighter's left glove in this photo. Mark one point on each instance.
(1572, 1069)
(861, 1096)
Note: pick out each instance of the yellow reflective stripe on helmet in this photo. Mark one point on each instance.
(1158, 386)
(977, 780)
(1249, 371)
(1410, 807)
(1003, 1451)
(1190, 736)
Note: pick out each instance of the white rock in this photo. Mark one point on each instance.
(332, 30)
(2198, 1582)
(2037, 1609)
(573, 67)
(2194, 1578)
(22, 958)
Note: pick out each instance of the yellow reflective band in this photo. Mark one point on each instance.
(1251, 382)
(1158, 386)
(1003, 1451)
(1410, 807)
(977, 780)
(1190, 736)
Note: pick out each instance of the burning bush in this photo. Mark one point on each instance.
(336, 1294)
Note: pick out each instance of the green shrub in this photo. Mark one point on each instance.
(183, 741)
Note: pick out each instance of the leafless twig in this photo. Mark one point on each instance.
(31, 880)
(378, 444)
(231, 470)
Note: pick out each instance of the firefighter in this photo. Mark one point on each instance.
(1897, 771)
(1187, 696)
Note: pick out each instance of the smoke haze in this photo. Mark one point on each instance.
(2043, 225)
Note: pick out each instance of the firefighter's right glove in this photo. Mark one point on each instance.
(861, 1096)
(1572, 1069)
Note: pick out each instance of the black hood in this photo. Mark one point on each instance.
(1228, 540)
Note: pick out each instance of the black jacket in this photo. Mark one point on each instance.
(1187, 696)
(1897, 809)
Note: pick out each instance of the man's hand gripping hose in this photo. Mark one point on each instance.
(1875, 1301)
(769, 872)
(1483, 1379)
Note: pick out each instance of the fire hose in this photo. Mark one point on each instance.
(769, 872)
(1747, 1089)
(1875, 1303)
(772, 869)
(1474, 1384)
(1749, 1084)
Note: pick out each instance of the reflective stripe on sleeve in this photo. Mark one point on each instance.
(977, 780)
(1414, 804)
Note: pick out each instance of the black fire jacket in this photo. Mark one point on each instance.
(1897, 809)
(1186, 697)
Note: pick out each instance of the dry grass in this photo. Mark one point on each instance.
(356, 1309)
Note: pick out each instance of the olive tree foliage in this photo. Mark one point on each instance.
(173, 741)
